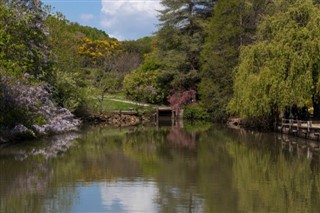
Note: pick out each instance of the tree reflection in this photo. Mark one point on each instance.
(27, 177)
(181, 139)
(276, 180)
(198, 170)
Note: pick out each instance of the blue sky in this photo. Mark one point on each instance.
(122, 19)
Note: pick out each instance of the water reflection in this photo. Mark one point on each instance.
(27, 176)
(181, 139)
(294, 147)
(46, 148)
(170, 169)
(129, 196)
(274, 181)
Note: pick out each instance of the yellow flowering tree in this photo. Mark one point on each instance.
(98, 52)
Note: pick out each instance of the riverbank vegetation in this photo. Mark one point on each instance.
(251, 58)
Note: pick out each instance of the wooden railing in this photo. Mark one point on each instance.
(306, 128)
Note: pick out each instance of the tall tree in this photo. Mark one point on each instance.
(176, 47)
(232, 25)
(182, 32)
(283, 67)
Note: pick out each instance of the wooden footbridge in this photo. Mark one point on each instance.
(167, 115)
(307, 129)
(163, 115)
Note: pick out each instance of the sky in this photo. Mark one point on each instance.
(121, 19)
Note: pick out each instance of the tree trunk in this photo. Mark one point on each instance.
(274, 119)
(316, 106)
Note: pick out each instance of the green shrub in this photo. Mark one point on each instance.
(195, 112)
(66, 91)
(151, 86)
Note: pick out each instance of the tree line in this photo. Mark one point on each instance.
(251, 58)
(217, 58)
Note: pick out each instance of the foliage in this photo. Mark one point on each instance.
(181, 35)
(9, 112)
(66, 77)
(110, 55)
(76, 51)
(282, 68)
(185, 81)
(148, 83)
(85, 31)
(177, 45)
(195, 112)
(232, 25)
(124, 63)
(106, 82)
(142, 46)
(20, 103)
(23, 41)
(150, 65)
(25, 59)
(179, 99)
(98, 52)
(66, 91)
(79, 63)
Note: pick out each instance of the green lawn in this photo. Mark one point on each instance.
(119, 95)
(113, 105)
(110, 105)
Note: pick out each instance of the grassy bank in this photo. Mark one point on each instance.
(116, 102)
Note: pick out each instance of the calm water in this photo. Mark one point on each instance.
(200, 168)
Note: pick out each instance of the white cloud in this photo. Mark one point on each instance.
(129, 19)
(135, 196)
(86, 17)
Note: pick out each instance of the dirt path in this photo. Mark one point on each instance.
(129, 102)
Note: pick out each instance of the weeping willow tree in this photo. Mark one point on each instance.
(283, 67)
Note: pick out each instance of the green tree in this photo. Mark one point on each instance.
(133, 55)
(90, 32)
(142, 46)
(148, 83)
(282, 67)
(23, 40)
(177, 45)
(79, 53)
(232, 25)
(182, 32)
(106, 82)
(66, 78)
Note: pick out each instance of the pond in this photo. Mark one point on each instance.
(197, 168)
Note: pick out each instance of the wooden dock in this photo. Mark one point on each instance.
(306, 129)
(166, 115)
